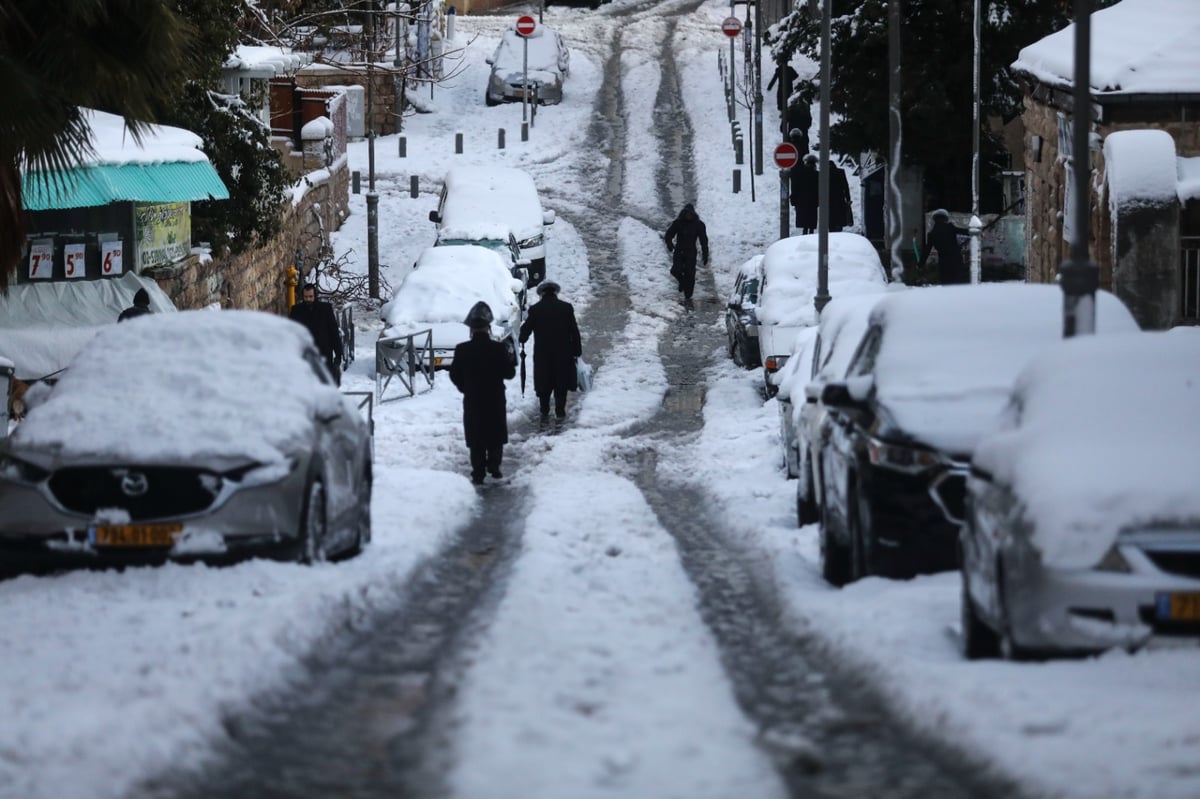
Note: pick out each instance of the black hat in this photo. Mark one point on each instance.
(941, 213)
(142, 298)
(480, 316)
(548, 285)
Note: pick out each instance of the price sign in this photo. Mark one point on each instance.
(110, 257)
(73, 261)
(41, 261)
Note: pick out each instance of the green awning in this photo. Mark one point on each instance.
(172, 182)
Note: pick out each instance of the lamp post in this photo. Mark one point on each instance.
(895, 232)
(372, 197)
(1079, 275)
(821, 298)
(976, 226)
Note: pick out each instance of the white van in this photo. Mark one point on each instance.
(479, 203)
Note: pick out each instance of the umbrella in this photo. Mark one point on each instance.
(522, 369)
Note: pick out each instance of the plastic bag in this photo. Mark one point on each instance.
(583, 374)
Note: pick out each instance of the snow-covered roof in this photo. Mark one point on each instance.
(790, 269)
(160, 144)
(445, 283)
(266, 61)
(1138, 47)
(1100, 435)
(203, 384)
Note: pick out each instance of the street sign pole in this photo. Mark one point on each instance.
(821, 298)
(525, 27)
(787, 156)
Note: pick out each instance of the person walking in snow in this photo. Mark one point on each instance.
(318, 317)
(804, 194)
(140, 307)
(682, 237)
(943, 237)
(479, 369)
(556, 345)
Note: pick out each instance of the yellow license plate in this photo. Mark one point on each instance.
(137, 535)
(1183, 606)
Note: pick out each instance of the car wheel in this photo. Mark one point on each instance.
(978, 640)
(488, 101)
(1009, 649)
(806, 501)
(745, 355)
(735, 350)
(362, 530)
(835, 556)
(312, 544)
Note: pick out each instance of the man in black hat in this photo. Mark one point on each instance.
(556, 345)
(140, 307)
(479, 369)
(317, 316)
(943, 237)
(682, 237)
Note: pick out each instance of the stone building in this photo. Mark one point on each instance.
(1144, 230)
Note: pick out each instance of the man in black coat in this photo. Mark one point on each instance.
(804, 196)
(317, 316)
(840, 215)
(943, 237)
(479, 369)
(556, 345)
(140, 307)
(682, 237)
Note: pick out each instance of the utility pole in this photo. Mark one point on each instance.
(372, 197)
(758, 95)
(895, 224)
(976, 226)
(821, 298)
(1079, 275)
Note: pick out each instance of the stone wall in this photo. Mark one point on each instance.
(257, 280)
(383, 85)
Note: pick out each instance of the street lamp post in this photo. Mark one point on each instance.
(821, 298)
(976, 226)
(372, 197)
(1079, 275)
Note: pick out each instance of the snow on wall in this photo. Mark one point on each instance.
(1141, 169)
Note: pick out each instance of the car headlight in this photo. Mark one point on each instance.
(910, 460)
(18, 471)
(532, 241)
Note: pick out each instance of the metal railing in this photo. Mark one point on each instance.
(1189, 279)
(345, 318)
(365, 400)
(405, 358)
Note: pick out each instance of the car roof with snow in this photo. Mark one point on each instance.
(489, 202)
(843, 322)
(204, 383)
(447, 281)
(545, 49)
(790, 272)
(1100, 436)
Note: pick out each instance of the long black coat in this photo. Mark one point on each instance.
(556, 344)
(479, 369)
(805, 193)
(943, 237)
(840, 214)
(322, 324)
(685, 235)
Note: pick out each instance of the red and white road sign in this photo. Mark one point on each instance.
(526, 25)
(731, 27)
(786, 155)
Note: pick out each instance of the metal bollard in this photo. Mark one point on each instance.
(403, 145)
(500, 139)
(355, 179)
(524, 131)
(737, 181)
(737, 149)
(413, 188)
(458, 147)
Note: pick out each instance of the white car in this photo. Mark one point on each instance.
(1082, 528)
(442, 287)
(792, 380)
(489, 205)
(789, 284)
(549, 64)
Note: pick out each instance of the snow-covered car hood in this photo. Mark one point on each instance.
(1100, 436)
(217, 386)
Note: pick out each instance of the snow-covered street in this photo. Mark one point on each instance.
(592, 667)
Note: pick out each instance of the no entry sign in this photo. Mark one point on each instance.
(526, 25)
(731, 27)
(786, 155)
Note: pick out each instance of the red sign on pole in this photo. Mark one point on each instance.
(526, 25)
(786, 155)
(731, 27)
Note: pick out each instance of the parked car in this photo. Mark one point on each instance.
(442, 287)
(1083, 519)
(792, 380)
(210, 435)
(549, 65)
(789, 284)
(741, 319)
(488, 205)
(843, 323)
(930, 374)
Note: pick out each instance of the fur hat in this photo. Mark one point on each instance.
(546, 286)
(941, 213)
(142, 298)
(479, 317)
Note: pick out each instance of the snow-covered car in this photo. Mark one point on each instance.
(792, 380)
(549, 65)
(843, 322)
(1083, 519)
(210, 435)
(741, 319)
(928, 378)
(442, 287)
(789, 284)
(495, 206)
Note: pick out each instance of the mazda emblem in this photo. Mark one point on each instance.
(134, 484)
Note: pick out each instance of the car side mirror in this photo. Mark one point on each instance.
(489, 60)
(812, 392)
(435, 217)
(837, 395)
(548, 217)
